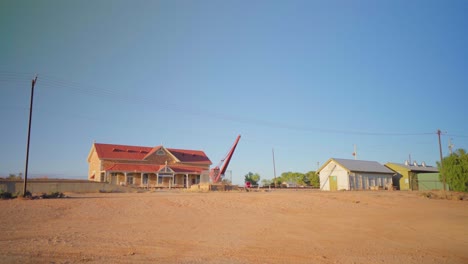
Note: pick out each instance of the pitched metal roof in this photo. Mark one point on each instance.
(362, 165)
(413, 168)
(190, 156)
(125, 152)
(122, 152)
(134, 167)
(152, 168)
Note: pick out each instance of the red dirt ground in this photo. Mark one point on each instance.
(235, 227)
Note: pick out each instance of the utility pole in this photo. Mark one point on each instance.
(441, 159)
(274, 166)
(33, 83)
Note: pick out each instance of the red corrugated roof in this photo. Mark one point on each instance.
(152, 168)
(125, 152)
(153, 150)
(191, 156)
(186, 169)
(134, 167)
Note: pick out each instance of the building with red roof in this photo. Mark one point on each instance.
(146, 166)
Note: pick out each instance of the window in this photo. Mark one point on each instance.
(351, 182)
(129, 179)
(145, 178)
(160, 180)
(160, 152)
(198, 178)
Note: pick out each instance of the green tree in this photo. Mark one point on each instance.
(13, 176)
(313, 178)
(253, 178)
(266, 182)
(310, 178)
(276, 181)
(295, 177)
(455, 170)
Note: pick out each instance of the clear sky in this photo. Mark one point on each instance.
(307, 78)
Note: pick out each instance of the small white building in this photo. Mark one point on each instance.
(347, 174)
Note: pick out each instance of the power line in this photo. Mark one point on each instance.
(134, 99)
(53, 83)
(454, 135)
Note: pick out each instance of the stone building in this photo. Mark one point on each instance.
(146, 166)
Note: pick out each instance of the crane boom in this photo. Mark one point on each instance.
(217, 172)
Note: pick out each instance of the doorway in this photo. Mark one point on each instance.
(333, 183)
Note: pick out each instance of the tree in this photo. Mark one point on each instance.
(455, 170)
(13, 176)
(314, 179)
(294, 177)
(308, 179)
(266, 182)
(253, 178)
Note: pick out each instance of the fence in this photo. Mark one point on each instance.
(429, 185)
(47, 186)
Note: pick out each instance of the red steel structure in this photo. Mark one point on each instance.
(217, 173)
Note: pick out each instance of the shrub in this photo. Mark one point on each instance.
(27, 194)
(5, 195)
(52, 195)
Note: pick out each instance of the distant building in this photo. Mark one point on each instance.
(289, 184)
(346, 174)
(415, 176)
(146, 166)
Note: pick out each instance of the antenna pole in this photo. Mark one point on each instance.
(450, 146)
(33, 83)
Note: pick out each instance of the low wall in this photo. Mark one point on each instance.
(48, 186)
(213, 187)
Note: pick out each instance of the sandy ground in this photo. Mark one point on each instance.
(235, 227)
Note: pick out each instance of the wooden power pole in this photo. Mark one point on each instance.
(441, 159)
(29, 136)
(274, 166)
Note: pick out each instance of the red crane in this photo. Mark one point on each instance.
(218, 172)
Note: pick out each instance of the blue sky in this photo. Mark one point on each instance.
(307, 78)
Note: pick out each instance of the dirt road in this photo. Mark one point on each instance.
(235, 227)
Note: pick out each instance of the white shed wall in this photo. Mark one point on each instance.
(333, 169)
(352, 181)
